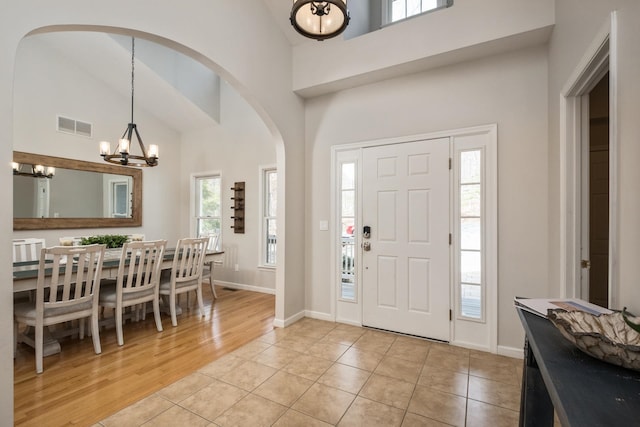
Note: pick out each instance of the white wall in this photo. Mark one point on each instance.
(578, 22)
(508, 89)
(70, 91)
(236, 150)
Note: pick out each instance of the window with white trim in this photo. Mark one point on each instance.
(397, 10)
(471, 231)
(347, 223)
(208, 212)
(269, 235)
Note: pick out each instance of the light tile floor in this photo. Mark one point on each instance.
(317, 373)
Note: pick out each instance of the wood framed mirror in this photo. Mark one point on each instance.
(80, 194)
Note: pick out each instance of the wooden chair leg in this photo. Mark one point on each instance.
(95, 333)
(118, 315)
(213, 288)
(39, 341)
(156, 314)
(199, 297)
(81, 328)
(172, 308)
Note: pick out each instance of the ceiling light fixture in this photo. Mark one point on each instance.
(319, 20)
(122, 154)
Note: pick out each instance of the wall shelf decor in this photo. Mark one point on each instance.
(238, 207)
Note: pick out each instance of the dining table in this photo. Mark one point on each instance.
(25, 278)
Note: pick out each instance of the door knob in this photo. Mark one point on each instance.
(585, 263)
(366, 246)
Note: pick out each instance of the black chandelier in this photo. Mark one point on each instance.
(37, 171)
(319, 20)
(122, 155)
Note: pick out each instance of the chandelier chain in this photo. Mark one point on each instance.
(132, 73)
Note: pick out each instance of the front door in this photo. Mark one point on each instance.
(406, 258)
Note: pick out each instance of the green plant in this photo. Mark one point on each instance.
(633, 323)
(111, 240)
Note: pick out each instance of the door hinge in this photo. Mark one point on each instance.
(450, 239)
(450, 315)
(450, 162)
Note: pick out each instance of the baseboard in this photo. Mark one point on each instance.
(319, 315)
(470, 346)
(293, 319)
(244, 287)
(349, 322)
(514, 352)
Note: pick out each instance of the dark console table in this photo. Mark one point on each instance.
(583, 390)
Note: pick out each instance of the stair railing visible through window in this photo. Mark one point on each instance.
(348, 240)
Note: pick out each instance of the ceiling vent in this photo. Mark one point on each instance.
(75, 127)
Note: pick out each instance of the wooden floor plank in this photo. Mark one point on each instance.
(79, 387)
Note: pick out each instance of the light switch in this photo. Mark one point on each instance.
(324, 225)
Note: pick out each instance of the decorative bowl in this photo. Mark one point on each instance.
(606, 337)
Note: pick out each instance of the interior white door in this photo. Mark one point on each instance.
(406, 286)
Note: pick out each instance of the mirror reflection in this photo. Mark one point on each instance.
(72, 194)
(76, 194)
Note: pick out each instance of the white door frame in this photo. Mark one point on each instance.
(460, 330)
(600, 56)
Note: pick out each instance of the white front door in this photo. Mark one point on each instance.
(406, 284)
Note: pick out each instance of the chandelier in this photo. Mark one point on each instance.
(319, 20)
(37, 171)
(122, 154)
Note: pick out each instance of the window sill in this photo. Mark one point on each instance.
(267, 267)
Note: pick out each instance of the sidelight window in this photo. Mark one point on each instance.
(470, 229)
(347, 224)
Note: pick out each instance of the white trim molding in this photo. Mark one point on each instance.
(600, 56)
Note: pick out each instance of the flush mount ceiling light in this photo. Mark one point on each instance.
(122, 155)
(319, 20)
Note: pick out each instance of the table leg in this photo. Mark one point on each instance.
(50, 345)
(536, 408)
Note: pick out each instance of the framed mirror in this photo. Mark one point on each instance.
(79, 194)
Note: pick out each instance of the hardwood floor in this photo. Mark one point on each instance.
(80, 387)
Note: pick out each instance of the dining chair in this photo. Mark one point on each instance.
(136, 283)
(67, 289)
(27, 249)
(207, 269)
(186, 273)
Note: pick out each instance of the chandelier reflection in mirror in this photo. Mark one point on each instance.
(319, 20)
(37, 171)
(122, 154)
